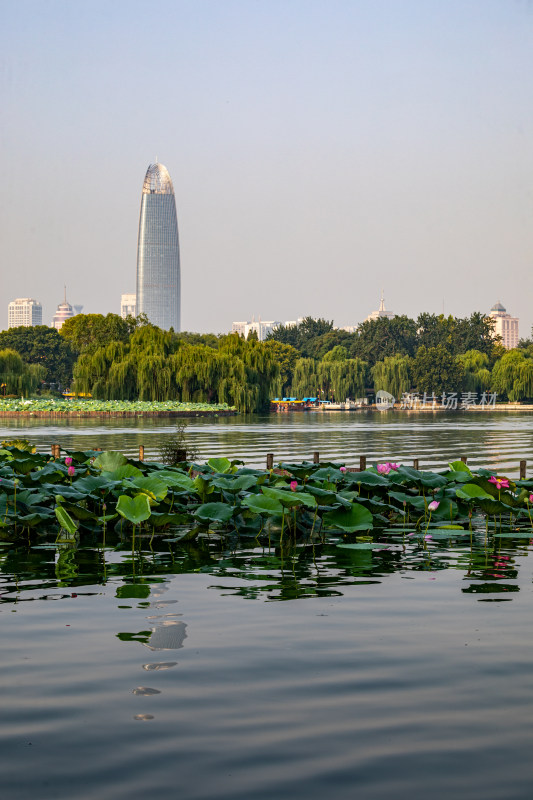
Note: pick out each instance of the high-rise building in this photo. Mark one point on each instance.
(128, 305)
(505, 326)
(64, 312)
(158, 255)
(24, 311)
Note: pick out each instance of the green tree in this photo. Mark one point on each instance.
(512, 375)
(87, 332)
(45, 347)
(286, 357)
(434, 369)
(338, 353)
(393, 375)
(382, 337)
(303, 336)
(477, 375)
(17, 377)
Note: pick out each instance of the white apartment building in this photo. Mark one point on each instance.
(262, 329)
(506, 326)
(128, 305)
(24, 311)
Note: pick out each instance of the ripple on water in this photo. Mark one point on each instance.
(157, 665)
(145, 691)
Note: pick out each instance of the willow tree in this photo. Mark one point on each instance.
(343, 378)
(393, 375)
(16, 376)
(512, 375)
(477, 375)
(305, 381)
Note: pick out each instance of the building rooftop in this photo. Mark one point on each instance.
(157, 180)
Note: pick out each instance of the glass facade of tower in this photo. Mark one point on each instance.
(158, 254)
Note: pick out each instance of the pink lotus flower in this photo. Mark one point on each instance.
(342, 469)
(531, 498)
(294, 485)
(383, 469)
(71, 471)
(500, 483)
(68, 461)
(433, 505)
(394, 466)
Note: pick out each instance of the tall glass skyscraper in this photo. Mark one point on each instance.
(158, 252)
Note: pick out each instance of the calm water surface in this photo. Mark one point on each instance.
(215, 671)
(489, 439)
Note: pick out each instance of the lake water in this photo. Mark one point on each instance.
(211, 671)
(496, 440)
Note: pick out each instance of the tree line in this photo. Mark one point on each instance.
(113, 358)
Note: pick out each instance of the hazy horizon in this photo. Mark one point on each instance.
(319, 151)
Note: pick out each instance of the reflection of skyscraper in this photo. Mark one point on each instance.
(158, 255)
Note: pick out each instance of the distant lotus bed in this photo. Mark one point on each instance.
(44, 407)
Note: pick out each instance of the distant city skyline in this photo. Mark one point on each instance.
(318, 151)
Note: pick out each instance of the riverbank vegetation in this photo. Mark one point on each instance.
(130, 360)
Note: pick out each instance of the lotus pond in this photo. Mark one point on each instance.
(146, 650)
(90, 407)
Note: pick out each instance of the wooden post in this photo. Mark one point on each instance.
(415, 464)
(56, 451)
(141, 452)
(362, 463)
(523, 465)
(270, 460)
(316, 457)
(464, 459)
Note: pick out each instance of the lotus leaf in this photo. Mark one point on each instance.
(66, 521)
(134, 509)
(262, 504)
(220, 464)
(289, 499)
(110, 460)
(214, 512)
(356, 518)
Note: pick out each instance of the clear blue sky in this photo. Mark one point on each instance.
(320, 150)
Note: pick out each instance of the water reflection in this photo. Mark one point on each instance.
(487, 559)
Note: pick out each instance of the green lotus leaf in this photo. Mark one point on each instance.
(153, 487)
(220, 464)
(214, 512)
(134, 509)
(351, 519)
(234, 485)
(65, 520)
(365, 546)
(459, 466)
(126, 471)
(288, 498)
(110, 460)
(177, 480)
(92, 483)
(262, 504)
(368, 478)
(470, 491)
